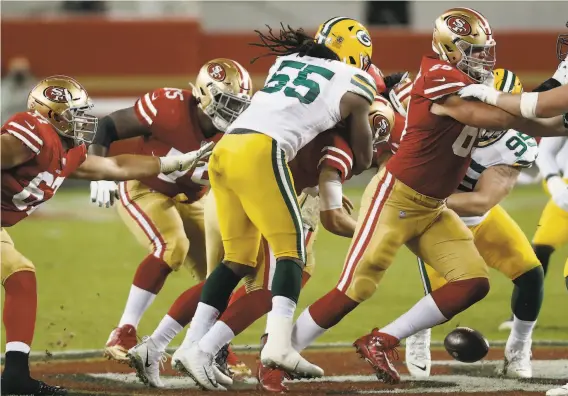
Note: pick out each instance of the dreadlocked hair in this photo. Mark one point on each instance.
(291, 41)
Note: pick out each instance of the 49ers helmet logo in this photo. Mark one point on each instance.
(57, 94)
(216, 71)
(459, 26)
(381, 125)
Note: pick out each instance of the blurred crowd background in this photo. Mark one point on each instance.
(121, 49)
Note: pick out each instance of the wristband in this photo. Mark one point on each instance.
(528, 104)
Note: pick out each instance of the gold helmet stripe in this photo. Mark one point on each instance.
(245, 77)
(326, 28)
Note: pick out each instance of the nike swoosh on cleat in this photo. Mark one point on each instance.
(423, 368)
(147, 364)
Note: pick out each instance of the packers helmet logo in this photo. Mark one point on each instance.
(381, 126)
(216, 71)
(57, 94)
(363, 38)
(459, 26)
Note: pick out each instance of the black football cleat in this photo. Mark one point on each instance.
(30, 386)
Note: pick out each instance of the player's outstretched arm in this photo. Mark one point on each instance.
(13, 152)
(332, 215)
(130, 167)
(121, 124)
(355, 109)
(492, 187)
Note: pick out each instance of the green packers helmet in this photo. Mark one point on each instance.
(349, 39)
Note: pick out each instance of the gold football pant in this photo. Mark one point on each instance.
(172, 231)
(12, 260)
(392, 214)
(266, 261)
(501, 243)
(552, 227)
(255, 196)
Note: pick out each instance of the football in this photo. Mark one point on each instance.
(466, 345)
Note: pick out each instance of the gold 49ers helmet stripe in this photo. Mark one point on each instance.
(327, 28)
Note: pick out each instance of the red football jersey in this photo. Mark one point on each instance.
(30, 184)
(434, 152)
(328, 148)
(170, 115)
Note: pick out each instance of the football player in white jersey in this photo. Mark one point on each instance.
(314, 84)
(496, 163)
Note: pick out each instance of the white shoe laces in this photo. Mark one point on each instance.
(419, 346)
(163, 356)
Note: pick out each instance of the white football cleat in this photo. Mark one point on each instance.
(278, 351)
(146, 359)
(517, 362)
(561, 391)
(418, 359)
(198, 365)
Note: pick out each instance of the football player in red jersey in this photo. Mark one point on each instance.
(404, 204)
(325, 162)
(39, 149)
(165, 213)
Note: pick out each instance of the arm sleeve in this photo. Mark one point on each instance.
(443, 81)
(106, 132)
(546, 160)
(338, 155)
(26, 130)
(330, 190)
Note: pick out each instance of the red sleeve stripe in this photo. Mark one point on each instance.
(150, 105)
(339, 164)
(24, 140)
(341, 153)
(143, 113)
(444, 90)
(27, 132)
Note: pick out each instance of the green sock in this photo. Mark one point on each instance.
(219, 286)
(287, 280)
(528, 294)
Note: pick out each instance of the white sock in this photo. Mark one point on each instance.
(522, 329)
(219, 335)
(138, 302)
(423, 315)
(283, 306)
(204, 318)
(17, 346)
(165, 332)
(305, 331)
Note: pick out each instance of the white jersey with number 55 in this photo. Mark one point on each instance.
(513, 149)
(301, 98)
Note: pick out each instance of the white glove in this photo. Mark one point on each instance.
(482, 92)
(561, 74)
(104, 193)
(185, 161)
(559, 191)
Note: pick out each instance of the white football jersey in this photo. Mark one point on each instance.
(513, 148)
(300, 99)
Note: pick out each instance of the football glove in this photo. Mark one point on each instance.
(482, 92)
(187, 161)
(104, 193)
(559, 191)
(310, 210)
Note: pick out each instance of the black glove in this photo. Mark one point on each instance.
(392, 79)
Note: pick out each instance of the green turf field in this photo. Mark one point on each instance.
(85, 267)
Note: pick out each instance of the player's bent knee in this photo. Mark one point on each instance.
(176, 251)
(296, 260)
(532, 279)
(241, 270)
(475, 289)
